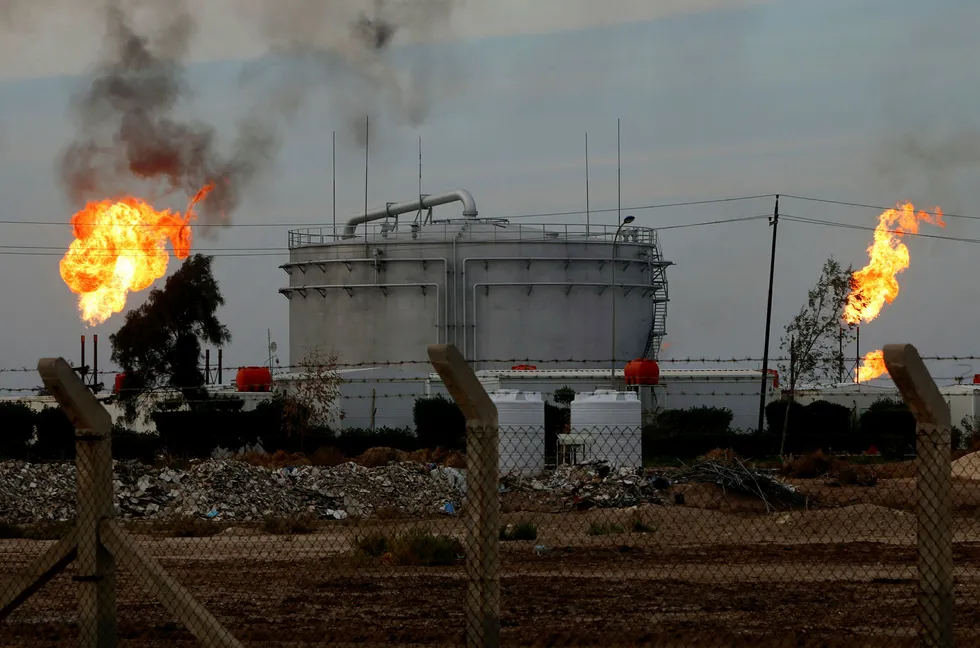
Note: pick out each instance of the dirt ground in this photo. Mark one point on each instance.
(717, 571)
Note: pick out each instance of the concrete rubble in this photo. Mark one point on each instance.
(233, 490)
(594, 485)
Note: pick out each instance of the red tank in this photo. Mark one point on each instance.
(253, 379)
(642, 372)
(524, 367)
(118, 383)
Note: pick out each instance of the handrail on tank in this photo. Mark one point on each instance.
(420, 203)
(502, 231)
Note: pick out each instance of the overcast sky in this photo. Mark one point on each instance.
(869, 101)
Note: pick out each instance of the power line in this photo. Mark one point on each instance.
(689, 203)
(876, 207)
(50, 250)
(866, 228)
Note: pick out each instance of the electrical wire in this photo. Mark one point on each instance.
(688, 203)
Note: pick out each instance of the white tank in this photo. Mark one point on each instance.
(609, 424)
(520, 416)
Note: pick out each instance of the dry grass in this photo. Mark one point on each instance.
(416, 547)
(377, 457)
(292, 525)
(519, 531)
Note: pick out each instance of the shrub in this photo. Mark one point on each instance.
(354, 442)
(129, 445)
(190, 527)
(291, 525)
(824, 417)
(439, 423)
(638, 525)
(776, 415)
(55, 435)
(374, 545)
(808, 466)
(601, 529)
(889, 426)
(695, 421)
(520, 531)
(419, 547)
(16, 430)
(197, 433)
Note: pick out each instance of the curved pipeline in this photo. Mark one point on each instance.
(424, 202)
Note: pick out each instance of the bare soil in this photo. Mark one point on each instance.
(718, 571)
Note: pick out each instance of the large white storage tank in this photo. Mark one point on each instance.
(520, 418)
(609, 423)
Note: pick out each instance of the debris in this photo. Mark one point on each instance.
(593, 485)
(736, 477)
(228, 489)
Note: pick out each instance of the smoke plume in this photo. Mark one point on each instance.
(130, 138)
(344, 45)
(128, 130)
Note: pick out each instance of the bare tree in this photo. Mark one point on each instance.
(312, 396)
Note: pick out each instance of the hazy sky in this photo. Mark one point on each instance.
(870, 101)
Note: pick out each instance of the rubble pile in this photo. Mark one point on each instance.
(232, 490)
(595, 485)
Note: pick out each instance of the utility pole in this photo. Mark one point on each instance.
(774, 221)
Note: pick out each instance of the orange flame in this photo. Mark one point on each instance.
(872, 366)
(876, 284)
(120, 247)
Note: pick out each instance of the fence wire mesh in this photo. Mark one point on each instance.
(593, 532)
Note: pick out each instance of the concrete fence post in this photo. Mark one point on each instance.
(934, 510)
(482, 506)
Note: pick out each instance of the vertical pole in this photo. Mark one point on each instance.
(482, 508)
(857, 353)
(93, 502)
(840, 355)
(934, 500)
(588, 213)
(774, 221)
(207, 366)
(619, 176)
(367, 139)
(334, 167)
(95, 361)
(792, 393)
(82, 366)
(420, 169)
(220, 373)
(268, 337)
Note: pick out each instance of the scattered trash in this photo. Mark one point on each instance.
(226, 489)
(737, 477)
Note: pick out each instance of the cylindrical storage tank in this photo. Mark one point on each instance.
(117, 384)
(505, 294)
(611, 423)
(253, 379)
(520, 417)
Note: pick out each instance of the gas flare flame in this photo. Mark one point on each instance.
(876, 284)
(120, 247)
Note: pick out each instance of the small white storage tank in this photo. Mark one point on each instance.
(610, 423)
(520, 417)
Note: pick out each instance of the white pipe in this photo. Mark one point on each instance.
(422, 202)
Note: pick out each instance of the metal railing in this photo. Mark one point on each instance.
(472, 230)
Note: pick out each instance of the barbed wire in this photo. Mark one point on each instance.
(773, 361)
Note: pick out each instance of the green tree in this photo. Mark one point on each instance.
(814, 339)
(159, 345)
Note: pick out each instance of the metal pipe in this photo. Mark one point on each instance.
(423, 202)
(95, 359)
(220, 376)
(82, 366)
(207, 366)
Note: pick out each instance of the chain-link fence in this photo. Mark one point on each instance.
(598, 525)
